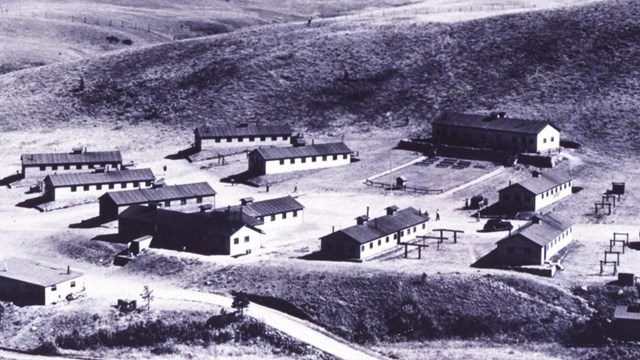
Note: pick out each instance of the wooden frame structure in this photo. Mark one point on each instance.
(613, 243)
(455, 234)
(616, 253)
(626, 235)
(603, 262)
(602, 205)
(418, 245)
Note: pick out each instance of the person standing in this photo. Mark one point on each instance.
(437, 214)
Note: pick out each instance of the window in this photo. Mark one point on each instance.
(401, 233)
(78, 167)
(552, 138)
(246, 239)
(324, 157)
(67, 167)
(240, 139)
(99, 187)
(274, 138)
(544, 140)
(285, 138)
(167, 203)
(295, 213)
(281, 161)
(362, 248)
(293, 161)
(263, 138)
(273, 218)
(43, 168)
(379, 242)
(148, 183)
(73, 284)
(304, 160)
(217, 140)
(183, 202)
(86, 188)
(313, 159)
(371, 245)
(73, 188)
(284, 215)
(123, 185)
(112, 186)
(414, 229)
(54, 167)
(251, 138)
(387, 239)
(395, 236)
(236, 241)
(345, 156)
(199, 200)
(424, 226)
(229, 139)
(335, 157)
(54, 288)
(136, 184)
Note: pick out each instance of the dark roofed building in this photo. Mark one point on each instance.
(113, 203)
(626, 321)
(287, 159)
(538, 192)
(284, 211)
(220, 232)
(78, 160)
(371, 237)
(495, 130)
(537, 241)
(242, 135)
(70, 186)
(27, 282)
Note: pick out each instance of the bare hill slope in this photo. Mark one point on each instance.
(577, 67)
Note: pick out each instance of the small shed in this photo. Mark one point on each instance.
(626, 321)
(617, 188)
(401, 182)
(626, 279)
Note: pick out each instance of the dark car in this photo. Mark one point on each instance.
(497, 225)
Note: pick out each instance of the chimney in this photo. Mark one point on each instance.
(367, 211)
(246, 201)
(535, 173)
(391, 210)
(333, 229)
(362, 219)
(78, 150)
(68, 269)
(535, 220)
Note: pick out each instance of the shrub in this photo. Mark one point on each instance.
(127, 41)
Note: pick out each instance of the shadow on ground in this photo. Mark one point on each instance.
(33, 202)
(182, 154)
(90, 223)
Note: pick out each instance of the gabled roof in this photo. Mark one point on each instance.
(379, 227)
(542, 232)
(107, 177)
(272, 206)
(488, 122)
(276, 153)
(221, 221)
(544, 182)
(208, 132)
(35, 273)
(166, 192)
(71, 158)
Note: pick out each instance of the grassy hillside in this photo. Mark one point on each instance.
(577, 67)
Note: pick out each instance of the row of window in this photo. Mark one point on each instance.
(55, 287)
(556, 189)
(251, 138)
(167, 203)
(395, 237)
(294, 213)
(483, 136)
(110, 186)
(78, 166)
(236, 241)
(313, 159)
(559, 238)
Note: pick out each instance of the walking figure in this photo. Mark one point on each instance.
(295, 189)
(267, 187)
(438, 215)
(164, 168)
(309, 22)
(233, 182)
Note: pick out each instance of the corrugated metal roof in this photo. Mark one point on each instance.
(107, 177)
(69, 158)
(549, 227)
(275, 153)
(480, 122)
(381, 226)
(167, 192)
(544, 182)
(208, 132)
(273, 206)
(34, 273)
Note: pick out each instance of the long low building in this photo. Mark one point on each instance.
(541, 190)
(241, 136)
(274, 213)
(286, 159)
(112, 203)
(497, 131)
(371, 237)
(537, 241)
(79, 160)
(220, 232)
(83, 185)
(25, 282)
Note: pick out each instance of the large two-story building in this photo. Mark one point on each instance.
(241, 136)
(540, 191)
(371, 237)
(497, 131)
(286, 159)
(79, 160)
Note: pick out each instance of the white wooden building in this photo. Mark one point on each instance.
(537, 241)
(26, 282)
(274, 213)
(86, 185)
(372, 237)
(538, 192)
(497, 131)
(286, 159)
(241, 136)
(79, 160)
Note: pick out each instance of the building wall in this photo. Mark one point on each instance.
(548, 139)
(518, 250)
(109, 210)
(518, 199)
(290, 218)
(20, 292)
(296, 164)
(36, 171)
(62, 290)
(556, 194)
(385, 243)
(244, 241)
(244, 142)
(559, 243)
(63, 193)
(340, 249)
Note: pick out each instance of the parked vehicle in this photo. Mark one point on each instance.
(497, 225)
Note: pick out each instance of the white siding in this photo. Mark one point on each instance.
(306, 163)
(556, 194)
(548, 139)
(282, 220)
(243, 246)
(381, 245)
(62, 290)
(559, 243)
(36, 171)
(63, 193)
(244, 142)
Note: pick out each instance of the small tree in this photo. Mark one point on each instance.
(147, 296)
(1, 313)
(240, 303)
